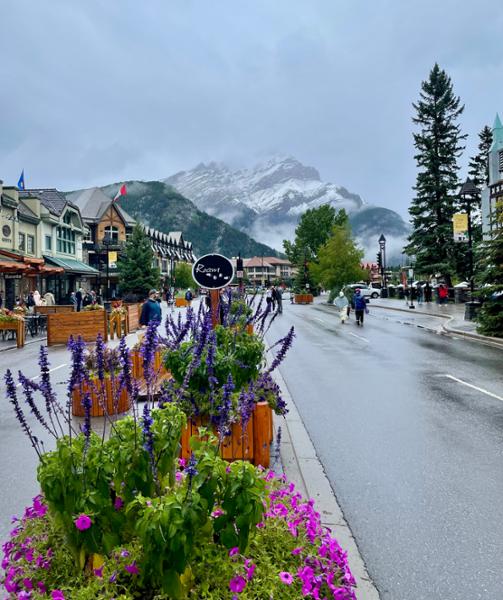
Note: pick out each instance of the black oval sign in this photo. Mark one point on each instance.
(213, 271)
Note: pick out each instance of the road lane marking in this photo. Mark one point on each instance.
(474, 387)
(359, 337)
(320, 320)
(50, 371)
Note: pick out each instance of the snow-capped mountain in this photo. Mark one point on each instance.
(267, 200)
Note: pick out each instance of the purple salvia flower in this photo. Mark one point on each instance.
(168, 393)
(246, 405)
(147, 351)
(286, 343)
(191, 468)
(100, 357)
(28, 389)
(126, 378)
(12, 396)
(45, 387)
(197, 351)
(264, 387)
(223, 418)
(86, 426)
(78, 373)
(148, 438)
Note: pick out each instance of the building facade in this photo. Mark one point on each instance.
(108, 229)
(492, 195)
(267, 270)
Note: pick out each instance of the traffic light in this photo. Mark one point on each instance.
(379, 261)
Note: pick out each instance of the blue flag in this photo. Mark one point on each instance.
(20, 183)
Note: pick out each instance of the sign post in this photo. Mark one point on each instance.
(213, 272)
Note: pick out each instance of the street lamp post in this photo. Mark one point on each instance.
(468, 193)
(382, 246)
(107, 241)
(411, 289)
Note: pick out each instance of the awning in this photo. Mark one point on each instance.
(70, 265)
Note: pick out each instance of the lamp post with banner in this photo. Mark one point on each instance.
(468, 194)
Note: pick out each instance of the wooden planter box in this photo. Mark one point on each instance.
(117, 325)
(303, 298)
(179, 302)
(55, 308)
(17, 326)
(133, 316)
(249, 329)
(137, 362)
(254, 446)
(124, 403)
(87, 324)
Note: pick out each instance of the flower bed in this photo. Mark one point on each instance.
(192, 541)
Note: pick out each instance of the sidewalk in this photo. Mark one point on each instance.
(454, 315)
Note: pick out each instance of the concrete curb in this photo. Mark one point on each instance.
(302, 466)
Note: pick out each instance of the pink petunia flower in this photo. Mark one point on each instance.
(83, 522)
(286, 577)
(132, 569)
(119, 503)
(57, 595)
(237, 584)
(234, 551)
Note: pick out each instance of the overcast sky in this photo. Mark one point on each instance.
(96, 91)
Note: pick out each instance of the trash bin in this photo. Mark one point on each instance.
(384, 293)
(460, 295)
(401, 293)
(471, 310)
(391, 292)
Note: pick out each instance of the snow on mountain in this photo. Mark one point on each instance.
(281, 185)
(267, 200)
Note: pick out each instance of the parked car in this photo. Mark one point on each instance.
(365, 290)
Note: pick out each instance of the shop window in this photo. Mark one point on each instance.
(30, 244)
(22, 242)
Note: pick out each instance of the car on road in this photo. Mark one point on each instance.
(365, 290)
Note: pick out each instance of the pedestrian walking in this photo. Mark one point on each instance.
(443, 294)
(87, 299)
(419, 292)
(269, 300)
(342, 303)
(79, 296)
(278, 297)
(151, 309)
(188, 296)
(292, 296)
(427, 292)
(360, 307)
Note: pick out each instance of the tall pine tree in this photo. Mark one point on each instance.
(137, 273)
(478, 168)
(439, 145)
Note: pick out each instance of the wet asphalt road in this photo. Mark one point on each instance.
(415, 457)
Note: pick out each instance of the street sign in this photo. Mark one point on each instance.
(213, 271)
(411, 273)
(239, 274)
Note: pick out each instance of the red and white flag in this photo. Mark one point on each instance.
(121, 192)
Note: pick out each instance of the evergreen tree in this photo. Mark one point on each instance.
(490, 318)
(438, 145)
(137, 275)
(478, 169)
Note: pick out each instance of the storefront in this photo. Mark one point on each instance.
(73, 275)
(20, 275)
